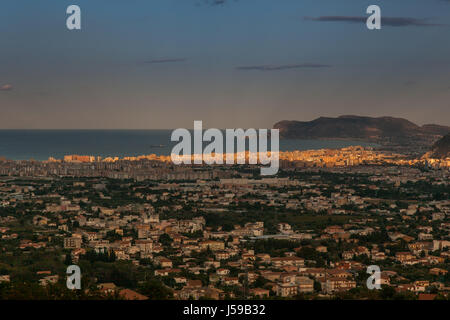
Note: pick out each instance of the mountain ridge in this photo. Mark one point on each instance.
(383, 130)
(441, 149)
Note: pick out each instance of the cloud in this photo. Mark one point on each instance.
(164, 60)
(215, 2)
(386, 21)
(211, 2)
(282, 67)
(6, 87)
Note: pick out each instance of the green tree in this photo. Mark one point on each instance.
(155, 290)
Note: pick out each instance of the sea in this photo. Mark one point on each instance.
(42, 144)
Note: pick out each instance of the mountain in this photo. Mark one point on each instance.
(382, 130)
(436, 129)
(441, 149)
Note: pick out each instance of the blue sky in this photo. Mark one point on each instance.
(153, 64)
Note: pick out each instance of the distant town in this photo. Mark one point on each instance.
(141, 228)
(156, 167)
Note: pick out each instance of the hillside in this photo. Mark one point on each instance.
(441, 149)
(382, 130)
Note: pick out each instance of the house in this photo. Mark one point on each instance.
(362, 250)
(194, 284)
(322, 249)
(107, 288)
(427, 296)
(145, 246)
(377, 256)
(179, 279)
(434, 260)
(128, 294)
(259, 293)
(72, 242)
(315, 272)
(421, 286)
(166, 272)
(385, 278)
(271, 276)
(212, 264)
(121, 255)
(305, 284)
(214, 278)
(347, 255)
(440, 244)
(290, 268)
(248, 256)
(223, 272)
(264, 257)
(333, 229)
(418, 247)
(341, 236)
(339, 284)
(76, 253)
(49, 280)
(223, 255)
(286, 289)
(231, 281)
(288, 277)
(212, 245)
(288, 261)
(404, 256)
(197, 293)
(163, 262)
(405, 287)
(438, 271)
(338, 273)
(143, 231)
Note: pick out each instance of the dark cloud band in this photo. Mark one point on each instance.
(165, 60)
(387, 21)
(282, 67)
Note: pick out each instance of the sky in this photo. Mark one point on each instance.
(161, 64)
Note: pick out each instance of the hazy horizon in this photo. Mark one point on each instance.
(191, 127)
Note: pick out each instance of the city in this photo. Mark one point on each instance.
(225, 159)
(141, 228)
